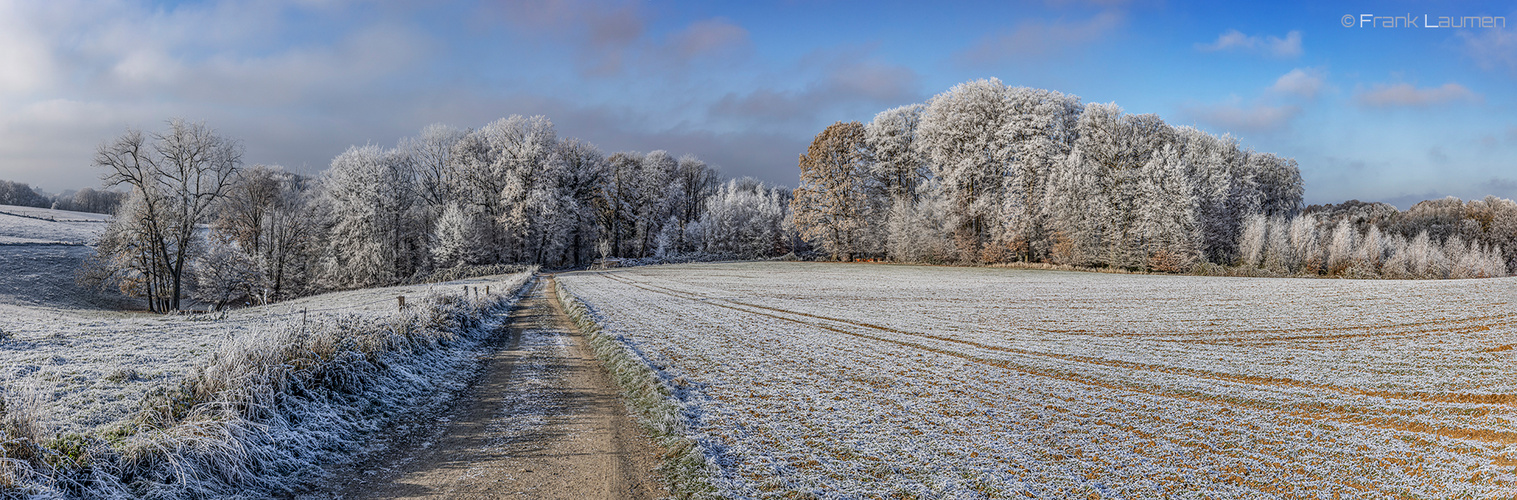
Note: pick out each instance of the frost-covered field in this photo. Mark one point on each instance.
(41, 226)
(90, 369)
(40, 250)
(874, 380)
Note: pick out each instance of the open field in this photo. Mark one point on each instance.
(40, 250)
(874, 380)
(90, 368)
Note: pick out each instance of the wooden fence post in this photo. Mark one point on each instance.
(402, 301)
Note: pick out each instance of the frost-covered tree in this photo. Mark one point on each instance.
(1077, 206)
(1371, 249)
(830, 208)
(376, 235)
(456, 236)
(1252, 240)
(655, 174)
(1113, 147)
(128, 257)
(181, 173)
(961, 134)
(1279, 181)
(522, 165)
(1166, 221)
(431, 153)
(920, 232)
(693, 182)
(89, 200)
(1040, 130)
(20, 194)
(1279, 254)
(1341, 252)
(1425, 258)
(1032, 174)
(269, 213)
(1398, 260)
(1305, 241)
(584, 171)
(1225, 194)
(895, 153)
(897, 165)
(745, 219)
(617, 201)
(224, 274)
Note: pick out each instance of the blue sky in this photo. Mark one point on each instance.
(1377, 114)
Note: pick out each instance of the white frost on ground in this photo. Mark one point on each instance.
(534, 397)
(877, 380)
(52, 226)
(92, 368)
(40, 252)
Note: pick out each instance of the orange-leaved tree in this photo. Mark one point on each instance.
(829, 207)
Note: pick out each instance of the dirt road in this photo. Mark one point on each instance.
(543, 420)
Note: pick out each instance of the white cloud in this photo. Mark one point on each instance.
(26, 61)
(1234, 40)
(1492, 48)
(709, 37)
(845, 82)
(1300, 82)
(1407, 95)
(1032, 39)
(1233, 117)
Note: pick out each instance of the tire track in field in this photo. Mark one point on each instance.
(1495, 320)
(1092, 421)
(1321, 412)
(1488, 399)
(1400, 330)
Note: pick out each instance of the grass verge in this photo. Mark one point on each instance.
(267, 412)
(686, 467)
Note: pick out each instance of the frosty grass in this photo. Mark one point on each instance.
(879, 380)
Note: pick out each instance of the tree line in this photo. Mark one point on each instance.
(198, 222)
(982, 173)
(83, 200)
(1434, 239)
(989, 173)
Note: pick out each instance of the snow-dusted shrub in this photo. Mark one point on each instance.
(1359, 269)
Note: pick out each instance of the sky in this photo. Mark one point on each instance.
(1393, 114)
